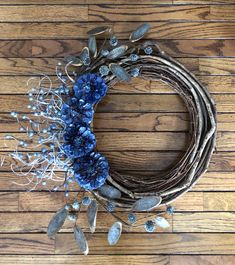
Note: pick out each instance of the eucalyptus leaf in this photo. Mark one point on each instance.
(119, 72)
(92, 45)
(57, 222)
(91, 215)
(99, 30)
(139, 32)
(114, 233)
(81, 240)
(109, 192)
(147, 203)
(161, 222)
(117, 52)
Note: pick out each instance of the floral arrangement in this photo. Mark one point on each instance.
(57, 136)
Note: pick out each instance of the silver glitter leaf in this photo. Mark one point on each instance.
(91, 215)
(109, 192)
(84, 55)
(92, 45)
(114, 233)
(117, 52)
(147, 203)
(139, 32)
(57, 222)
(81, 240)
(161, 222)
(99, 30)
(119, 72)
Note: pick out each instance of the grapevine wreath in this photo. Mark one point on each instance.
(57, 135)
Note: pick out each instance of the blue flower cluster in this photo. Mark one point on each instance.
(91, 168)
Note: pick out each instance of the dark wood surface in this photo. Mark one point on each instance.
(141, 128)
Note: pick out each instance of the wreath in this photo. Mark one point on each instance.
(59, 132)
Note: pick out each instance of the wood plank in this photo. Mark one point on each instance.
(202, 260)
(30, 66)
(103, 13)
(34, 223)
(75, 30)
(47, 13)
(154, 161)
(202, 2)
(185, 243)
(61, 48)
(215, 84)
(210, 181)
(45, 201)
(9, 201)
(85, 260)
(151, 122)
(224, 201)
(127, 103)
(204, 222)
(26, 244)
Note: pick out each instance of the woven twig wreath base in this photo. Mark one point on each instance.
(181, 177)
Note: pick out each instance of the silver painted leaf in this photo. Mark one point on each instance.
(91, 215)
(117, 52)
(99, 30)
(114, 233)
(92, 45)
(161, 222)
(147, 203)
(73, 59)
(109, 192)
(119, 72)
(81, 240)
(57, 222)
(139, 32)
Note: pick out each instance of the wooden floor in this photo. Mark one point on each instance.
(140, 127)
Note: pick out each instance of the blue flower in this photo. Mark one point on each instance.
(77, 112)
(148, 50)
(79, 141)
(91, 171)
(90, 87)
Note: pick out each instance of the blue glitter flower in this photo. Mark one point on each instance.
(79, 141)
(77, 111)
(149, 226)
(131, 218)
(134, 57)
(104, 70)
(113, 41)
(90, 87)
(148, 50)
(135, 72)
(91, 171)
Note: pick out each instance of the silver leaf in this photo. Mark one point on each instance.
(92, 45)
(114, 233)
(57, 222)
(99, 30)
(73, 60)
(109, 192)
(81, 239)
(161, 222)
(147, 203)
(119, 72)
(84, 54)
(91, 215)
(139, 32)
(117, 52)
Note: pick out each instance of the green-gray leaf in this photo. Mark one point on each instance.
(119, 72)
(81, 240)
(57, 222)
(109, 192)
(92, 45)
(139, 32)
(117, 52)
(147, 203)
(114, 233)
(91, 215)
